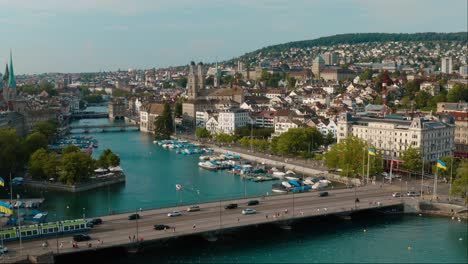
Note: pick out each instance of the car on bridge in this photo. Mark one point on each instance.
(323, 194)
(81, 237)
(193, 208)
(412, 194)
(231, 206)
(133, 217)
(174, 213)
(396, 194)
(161, 227)
(253, 202)
(96, 221)
(247, 211)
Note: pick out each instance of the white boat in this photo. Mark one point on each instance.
(292, 178)
(100, 170)
(290, 172)
(204, 157)
(207, 165)
(308, 181)
(286, 184)
(278, 190)
(117, 168)
(279, 174)
(319, 185)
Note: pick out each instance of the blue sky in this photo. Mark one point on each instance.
(94, 35)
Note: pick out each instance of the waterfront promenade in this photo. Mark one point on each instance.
(116, 229)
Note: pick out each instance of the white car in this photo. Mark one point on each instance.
(174, 213)
(396, 194)
(193, 208)
(3, 249)
(248, 211)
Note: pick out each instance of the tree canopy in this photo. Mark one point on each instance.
(76, 167)
(108, 159)
(202, 132)
(459, 92)
(48, 129)
(460, 184)
(43, 165)
(412, 160)
(163, 124)
(298, 141)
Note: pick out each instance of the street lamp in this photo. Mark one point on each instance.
(84, 214)
(19, 227)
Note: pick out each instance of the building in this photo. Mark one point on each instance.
(435, 138)
(452, 107)
(232, 119)
(148, 114)
(446, 65)
(464, 71)
(337, 74)
(432, 88)
(13, 120)
(265, 119)
(317, 66)
(459, 111)
(116, 109)
(9, 82)
(330, 58)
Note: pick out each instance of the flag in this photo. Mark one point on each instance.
(2, 182)
(371, 151)
(6, 208)
(441, 165)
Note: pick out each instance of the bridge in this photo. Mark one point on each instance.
(105, 127)
(213, 219)
(89, 114)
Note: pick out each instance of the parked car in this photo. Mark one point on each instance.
(412, 194)
(3, 249)
(248, 211)
(174, 213)
(231, 206)
(323, 194)
(193, 208)
(396, 194)
(81, 237)
(253, 202)
(161, 227)
(96, 221)
(133, 217)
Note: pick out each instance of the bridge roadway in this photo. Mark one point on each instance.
(116, 229)
(104, 126)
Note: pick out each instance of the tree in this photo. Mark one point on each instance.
(366, 75)
(350, 155)
(113, 160)
(35, 141)
(330, 139)
(202, 132)
(459, 92)
(48, 129)
(108, 159)
(460, 184)
(422, 99)
(163, 125)
(12, 154)
(299, 141)
(225, 138)
(412, 159)
(182, 82)
(43, 165)
(178, 109)
(76, 167)
(70, 149)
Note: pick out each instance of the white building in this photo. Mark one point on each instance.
(446, 65)
(464, 71)
(394, 136)
(228, 121)
(148, 114)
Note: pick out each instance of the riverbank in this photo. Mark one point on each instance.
(118, 177)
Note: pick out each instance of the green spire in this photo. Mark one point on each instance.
(11, 77)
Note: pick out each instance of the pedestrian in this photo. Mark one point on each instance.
(129, 238)
(302, 213)
(134, 237)
(266, 216)
(194, 226)
(173, 230)
(61, 244)
(238, 220)
(102, 242)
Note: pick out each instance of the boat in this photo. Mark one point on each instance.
(204, 157)
(117, 168)
(292, 178)
(278, 174)
(294, 183)
(308, 181)
(208, 165)
(286, 184)
(320, 185)
(278, 188)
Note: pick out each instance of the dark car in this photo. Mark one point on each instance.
(231, 206)
(323, 194)
(96, 221)
(253, 202)
(161, 227)
(81, 237)
(133, 217)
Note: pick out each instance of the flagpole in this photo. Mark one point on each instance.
(422, 177)
(368, 166)
(434, 195)
(11, 190)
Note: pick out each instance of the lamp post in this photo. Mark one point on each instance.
(84, 213)
(56, 234)
(19, 227)
(220, 223)
(136, 212)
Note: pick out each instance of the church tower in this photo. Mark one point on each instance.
(9, 86)
(317, 66)
(216, 81)
(200, 76)
(192, 82)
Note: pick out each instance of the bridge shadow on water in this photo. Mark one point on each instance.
(242, 240)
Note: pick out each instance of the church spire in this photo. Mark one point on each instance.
(11, 77)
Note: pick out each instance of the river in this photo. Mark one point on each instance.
(152, 173)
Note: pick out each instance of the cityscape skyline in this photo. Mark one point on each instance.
(65, 36)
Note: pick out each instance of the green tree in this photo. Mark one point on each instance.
(113, 160)
(12, 154)
(76, 167)
(412, 159)
(48, 129)
(70, 149)
(405, 102)
(202, 132)
(43, 165)
(182, 82)
(178, 109)
(350, 155)
(422, 99)
(163, 125)
(35, 141)
(225, 138)
(459, 92)
(299, 141)
(460, 184)
(366, 75)
(329, 139)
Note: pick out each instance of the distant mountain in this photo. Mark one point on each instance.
(356, 38)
